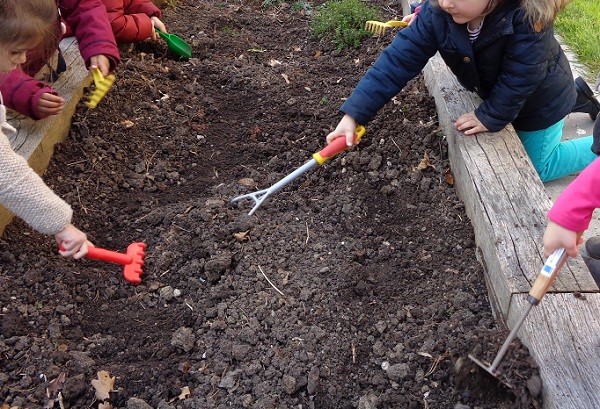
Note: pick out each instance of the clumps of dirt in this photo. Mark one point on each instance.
(357, 285)
(516, 377)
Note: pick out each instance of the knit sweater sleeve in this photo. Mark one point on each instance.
(574, 207)
(23, 192)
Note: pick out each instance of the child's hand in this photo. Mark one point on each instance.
(557, 237)
(101, 62)
(409, 18)
(73, 241)
(346, 128)
(50, 104)
(469, 124)
(156, 23)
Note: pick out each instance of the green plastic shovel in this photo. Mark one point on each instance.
(176, 45)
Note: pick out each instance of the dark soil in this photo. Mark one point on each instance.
(356, 285)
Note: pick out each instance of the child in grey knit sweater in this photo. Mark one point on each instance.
(25, 23)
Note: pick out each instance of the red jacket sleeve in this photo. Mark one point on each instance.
(130, 19)
(89, 22)
(22, 92)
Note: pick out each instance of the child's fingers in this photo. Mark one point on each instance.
(67, 249)
(81, 251)
(101, 62)
(50, 101)
(474, 130)
(350, 138)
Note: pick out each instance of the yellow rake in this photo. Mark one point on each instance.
(103, 84)
(378, 27)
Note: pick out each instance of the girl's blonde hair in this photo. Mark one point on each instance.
(25, 20)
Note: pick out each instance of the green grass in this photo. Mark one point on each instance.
(343, 22)
(579, 25)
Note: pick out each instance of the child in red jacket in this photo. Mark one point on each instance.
(89, 23)
(26, 23)
(134, 20)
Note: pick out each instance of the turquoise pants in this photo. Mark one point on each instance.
(552, 158)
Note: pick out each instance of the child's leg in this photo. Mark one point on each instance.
(552, 158)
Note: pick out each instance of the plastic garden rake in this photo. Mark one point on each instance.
(378, 27)
(103, 84)
(319, 158)
(132, 261)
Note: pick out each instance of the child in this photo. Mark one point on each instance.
(25, 23)
(505, 51)
(572, 212)
(134, 20)
(89, 22)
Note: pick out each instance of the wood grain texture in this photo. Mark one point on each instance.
(507, 204)
(563, 335)
(504, 197)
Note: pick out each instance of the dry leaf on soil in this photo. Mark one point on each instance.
(186, 392)
(246, 182)
(449, 177)
(242, 236)
(103, 385)
(56, 384)
(425, 163)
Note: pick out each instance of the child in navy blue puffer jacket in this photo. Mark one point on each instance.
(506, 52)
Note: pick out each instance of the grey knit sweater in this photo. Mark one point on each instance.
(23, 192)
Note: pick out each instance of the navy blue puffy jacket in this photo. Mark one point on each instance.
(522, 76)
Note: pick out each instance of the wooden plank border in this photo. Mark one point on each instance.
(507, 205)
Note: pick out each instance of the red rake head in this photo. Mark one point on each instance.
(133, 270)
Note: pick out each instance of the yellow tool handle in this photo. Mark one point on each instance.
(547, 275)
(396, 23)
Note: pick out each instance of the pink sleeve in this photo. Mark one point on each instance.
(22, 92)
(574, 207)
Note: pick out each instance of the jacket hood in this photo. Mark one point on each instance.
(542, 13)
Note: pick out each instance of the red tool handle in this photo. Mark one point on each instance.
(107, 255)
(338, 145)
(98, 253)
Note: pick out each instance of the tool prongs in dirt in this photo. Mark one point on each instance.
(132, 261)
(378, 27)
(102, 84)
(335, 147)
(543, 281)
(176, 45)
